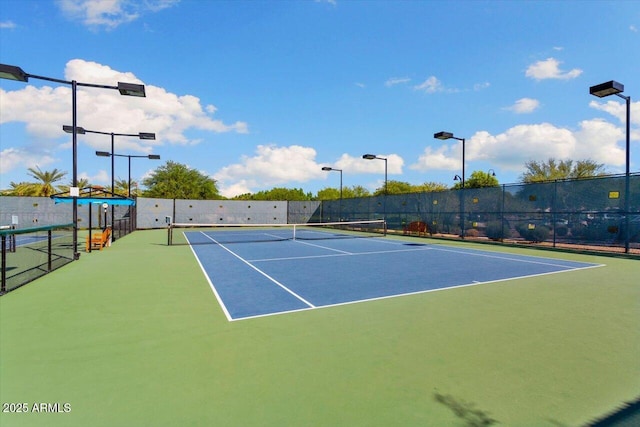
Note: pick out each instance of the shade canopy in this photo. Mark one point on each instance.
(94, 195)
(94, 200)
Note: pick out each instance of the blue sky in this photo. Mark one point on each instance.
(262, 94)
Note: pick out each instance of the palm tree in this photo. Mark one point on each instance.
(45, 187)
(20, 189)
(122, 187)
(82, 183)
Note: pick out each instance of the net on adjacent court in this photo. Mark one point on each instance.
(198, 234)
(29, 253)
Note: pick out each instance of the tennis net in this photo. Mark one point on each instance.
(29, 253)
(194, 234)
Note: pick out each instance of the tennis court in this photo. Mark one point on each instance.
(262, 271)
(151, 347)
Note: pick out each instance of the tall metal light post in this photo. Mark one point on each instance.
(12, 72)
(614, 88)
(112, 155)
(142, 135)
(130, 156)
(448, 135)
(372, 157)
(327, 168)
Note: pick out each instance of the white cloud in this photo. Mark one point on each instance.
(442, 158)
(358, 165)
(110, 14)
(431, 85)
(619, 110)
(7, 25)
(270, 166)
(396, 81)
(102, 177)
(16, 158)
(595, 139)
(45, 109)
(273, 165)
(633, 28)
(481, 86)
(550, 69)
(524, 106)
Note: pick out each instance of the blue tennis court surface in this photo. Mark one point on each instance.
(28, 239)
(265, 278)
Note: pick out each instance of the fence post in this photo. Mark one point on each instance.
(3, 286)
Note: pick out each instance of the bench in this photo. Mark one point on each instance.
(419, 227)
(99, 240)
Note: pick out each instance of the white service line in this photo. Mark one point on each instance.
(337, 255)
(260, 271)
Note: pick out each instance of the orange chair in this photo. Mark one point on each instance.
(99, 240)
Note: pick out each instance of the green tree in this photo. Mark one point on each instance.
(478, 179)
(329, 193)
(122, 187)
(401, 187)
(20, 189)
(355, 191)
(277, 193)
(46, 185)
(177, 181)
(82, 183)
(394, 187)
(430, 187)
(564, 169)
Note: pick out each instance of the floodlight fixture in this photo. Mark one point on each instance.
(69, 129)
(11, 72)
(443, 135)
(103, 153)
(131, 89)
(605, 89)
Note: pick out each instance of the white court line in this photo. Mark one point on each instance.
(213, 288)
(466, 285)
(324, 247)
(338, 255)
(259, 271)
(485, 254)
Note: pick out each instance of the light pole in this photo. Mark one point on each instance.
(12, 72)
(372, 157)
(614, 88)
(448, 135)
(327, 168)
(112, 155)
(130, 156)
(142, 135)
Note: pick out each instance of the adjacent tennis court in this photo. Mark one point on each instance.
(261, 271)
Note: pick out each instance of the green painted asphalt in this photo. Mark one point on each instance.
(133, 336)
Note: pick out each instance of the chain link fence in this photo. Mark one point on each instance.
(587, 212)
